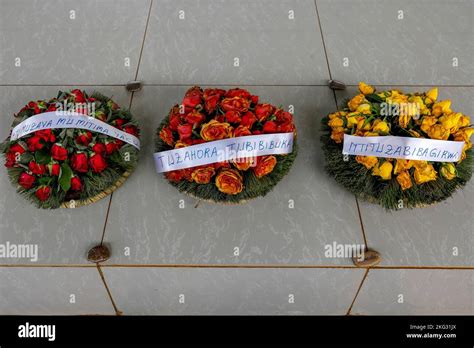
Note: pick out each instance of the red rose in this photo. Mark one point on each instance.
(84, 138)
(47, 135)
(286, 127)
(211, 98)
(270, 127)
(248, 119)
(237, 92)
(33, 105)
(283, 116)
(131, 130)
(54, 169)
(192, 98)
(43, 193)
(99, 148)
(235, 104)
(16, 148)
(185, 131)
(11, 160)
(241, 131)
(76, 184)
(37, 169)
(219, 165)
(233, 117)
(111, 147)
(119, 123)
(35, 143)
(26, 180)
(58, 152)
(78, 96)
(97, 163)
(254, 99)
(166, 134)
(262, 111)
(195, 117)
(52, 107)
(79, 162)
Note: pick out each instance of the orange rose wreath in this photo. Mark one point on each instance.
(212, 119)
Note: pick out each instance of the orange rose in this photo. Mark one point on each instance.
(203, 175)
(241, 131)
(166, 135)
(215, 130)
(243, 163)
(235, 104)
(265, 165)
(229, 181)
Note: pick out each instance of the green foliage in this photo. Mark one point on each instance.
(253, 186)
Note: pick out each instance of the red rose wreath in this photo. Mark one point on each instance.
(69, 167)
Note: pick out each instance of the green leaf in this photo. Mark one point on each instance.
(42, 157)
(65, 177)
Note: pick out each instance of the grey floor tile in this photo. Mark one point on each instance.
(196, 42)
(53, 291)
(421, 48)
(416, 292)
(144, 291)
(439, 235)
(100, 45)
(62, 235)
(147, 226)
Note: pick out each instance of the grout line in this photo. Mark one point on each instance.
(322, 38)
(225, 84)
(144, 37)
(106, 218)
(358, 290)
(256, 266)
(361, 224)
(101, 274)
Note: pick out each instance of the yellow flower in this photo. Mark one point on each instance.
(432, 94)
(337, 114)
(464, 134)
(402, 165)
(365, 88)
(384, 171)
(364, 109)
(438, 132)
(448, 170)
(416, 99)
(464, 121)
(404, 180)
(361, 126)
(337, 135)
(380, 126)
(367, 161)
(352, 119)
(336, 122)
(443, 107)
(356, 101)
(427, 122)
(403, 120)
(397, 97)
(451, 121)
(424, 172)
(371, 134)
(414, 133)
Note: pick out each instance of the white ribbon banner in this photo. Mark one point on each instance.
(224, 150)
(67, 119)
(404, 148)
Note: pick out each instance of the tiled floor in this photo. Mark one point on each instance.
(170, 257)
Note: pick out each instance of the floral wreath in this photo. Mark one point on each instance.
(71, 167)
(396, 183)
(216, 114)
